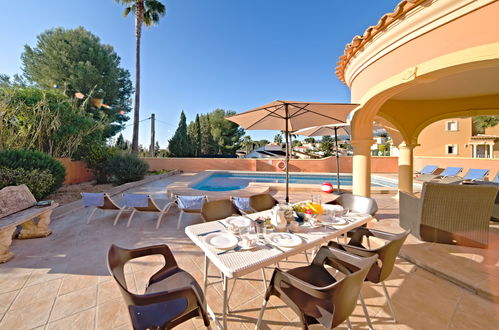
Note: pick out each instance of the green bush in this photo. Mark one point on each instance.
(30, 160)
(38, 181)
(126, 168)
(97, 157)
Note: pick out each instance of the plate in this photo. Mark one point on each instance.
(330, 221)
(238, 221)
(284, 239)
(221, 241)
(252, 245)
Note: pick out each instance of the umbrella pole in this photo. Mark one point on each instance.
(337, 158)
(287, 153)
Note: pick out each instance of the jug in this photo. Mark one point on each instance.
(278, 218)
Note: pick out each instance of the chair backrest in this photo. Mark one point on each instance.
(92, 199)
(387, 254)
(262, 202)
(218, 209)
(476, 174)
(451, 171)
(358, 203)
(345, 292)
(452, 212)
(136, 200)
(428, 169)
(116, 259)
(191, 202)
(242, 203)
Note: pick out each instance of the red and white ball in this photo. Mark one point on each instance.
(327, 187)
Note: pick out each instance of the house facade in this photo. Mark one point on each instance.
(454, 138)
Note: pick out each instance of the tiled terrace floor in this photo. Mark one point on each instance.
(61, 281)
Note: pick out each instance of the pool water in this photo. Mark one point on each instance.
(233, 181)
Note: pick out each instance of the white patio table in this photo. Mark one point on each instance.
(233, 264)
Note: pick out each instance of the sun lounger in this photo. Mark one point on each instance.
(144, 203)
(496, 178)
(473, 174)
(100, 201)
(428, 169)
(449, 171)
(189, 204)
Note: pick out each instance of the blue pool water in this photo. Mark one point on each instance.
(233, 181)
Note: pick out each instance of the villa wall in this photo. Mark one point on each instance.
(76, 171)
(325, 165)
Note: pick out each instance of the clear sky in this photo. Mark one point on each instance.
(229, 54)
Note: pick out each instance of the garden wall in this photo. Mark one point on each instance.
(76, 171)
(325, 165)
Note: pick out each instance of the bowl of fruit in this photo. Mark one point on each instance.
(306, 209)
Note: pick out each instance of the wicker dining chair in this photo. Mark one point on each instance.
(357, 203)
(218, 209)
(317, 296)
(262, 202)
(172, 295)
(386, 256)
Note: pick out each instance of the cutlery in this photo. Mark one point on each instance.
(237, 248)
(209, 232)
(223, 224)
(272, 246)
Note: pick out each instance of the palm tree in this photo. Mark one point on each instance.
(146, 12)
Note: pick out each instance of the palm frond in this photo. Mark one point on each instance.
(127, 11)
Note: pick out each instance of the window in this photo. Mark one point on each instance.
(451, 149)
(451, 126)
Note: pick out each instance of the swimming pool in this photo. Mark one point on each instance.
(225, 181)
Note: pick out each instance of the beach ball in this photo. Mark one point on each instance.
(327, 187)
(122, 112)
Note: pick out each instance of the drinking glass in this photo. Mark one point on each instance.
(261, 231)
(244, 232)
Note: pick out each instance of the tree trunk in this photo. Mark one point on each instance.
(139, 18)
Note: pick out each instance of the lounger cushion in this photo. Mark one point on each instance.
(135, 200)
(191, 202)
(241, 203)
(93, 199)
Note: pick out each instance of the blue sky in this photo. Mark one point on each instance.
(229, 54)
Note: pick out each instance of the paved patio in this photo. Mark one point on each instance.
(62, 281)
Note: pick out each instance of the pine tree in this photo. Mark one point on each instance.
(194, 132)
(198, 136)
(208, 145)
(180, 145)
(121, 143)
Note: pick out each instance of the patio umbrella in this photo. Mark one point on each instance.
(291, 116)
(328, 130)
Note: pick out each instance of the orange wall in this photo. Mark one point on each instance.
(76, 171)
(473, 29)
(434, 138)
(466, 163)
(325, 165)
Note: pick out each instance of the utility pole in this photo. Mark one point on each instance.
(151, 147)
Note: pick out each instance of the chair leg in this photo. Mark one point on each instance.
(91, 215)
(349, 325)
(130, 218)
(306, 257)
(264, 277)
(180, 219)
(368, 319)
(389, 301)
(117, 217)
(260, 315)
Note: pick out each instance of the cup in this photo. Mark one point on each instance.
(244, 233)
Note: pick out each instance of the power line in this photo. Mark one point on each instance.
(139, 122)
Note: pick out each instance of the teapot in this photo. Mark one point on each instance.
(278, 218)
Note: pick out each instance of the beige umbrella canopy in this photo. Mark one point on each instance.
(291, 116)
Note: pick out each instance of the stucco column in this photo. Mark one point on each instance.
(406, 166)
(362, 167)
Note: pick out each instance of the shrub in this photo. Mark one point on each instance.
(126, 168)
(38, 181)
(30, 160)
(97, 157)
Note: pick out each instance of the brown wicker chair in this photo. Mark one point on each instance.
(315, 294)
(450, 214)
(386, 253)
(218, 209)
(172, 295)
(262, 202)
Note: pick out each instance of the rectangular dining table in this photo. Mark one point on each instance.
(234, 264)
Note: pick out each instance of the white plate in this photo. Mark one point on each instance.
(330, 221)
(284, 239)
(221, 241)
(238, 221)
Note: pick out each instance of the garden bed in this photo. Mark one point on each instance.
(71, 192)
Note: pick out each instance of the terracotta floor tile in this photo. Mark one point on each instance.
(111, 314)
(74, 302)
(474, 312)
(82, 320)
(109, 289)
(30, 316)
(6, 300)
(13, 278)
(32, 293)
(73, 282)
